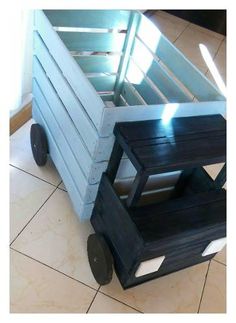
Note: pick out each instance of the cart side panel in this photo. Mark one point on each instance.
(176, 62)
(72, 104)
(84, 91)
(151, 112)
(87, 192)
(82, 210)
(91, 170)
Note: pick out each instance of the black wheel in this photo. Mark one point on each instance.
(100, 259)
(39, 144)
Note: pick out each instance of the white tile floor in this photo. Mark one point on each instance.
(49, 267)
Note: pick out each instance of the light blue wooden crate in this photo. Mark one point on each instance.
(148, 77)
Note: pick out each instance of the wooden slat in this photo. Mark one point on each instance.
(103, 83)
(82, 210)
(98, 42)
(88, 97)
(153, 112)
(145, 60)
(98, 63)
(183, 143)
(97, 147)
(110, 19)
(87, 192)
(71, 103)
(91, 170)
(129, 94)
(202, 210)
(183, 69)
(128, 45)
(139, 82)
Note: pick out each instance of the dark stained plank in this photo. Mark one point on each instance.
(184, 218)
(154, 147)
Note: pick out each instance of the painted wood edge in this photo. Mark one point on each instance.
(152, 112)
(87, 95)
(20, 118)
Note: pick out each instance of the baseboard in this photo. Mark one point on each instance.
(20, 118)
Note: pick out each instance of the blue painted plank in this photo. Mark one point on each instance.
(110, 19)
(83, 211)
(84, 91)
(145, 60)
(151, 112)
(87, 191)
(73, 107)
(107, 97)
(129, 94)
(99, 149)
(95, 42)
(128, 45)
(98, 63)
(92, 171)
(182, 68)
(103, 83)
(139, 82)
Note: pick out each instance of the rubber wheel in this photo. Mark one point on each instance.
(100, 259)
(39, 144)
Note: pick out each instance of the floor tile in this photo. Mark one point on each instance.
(57, 238)
(179, 292)
(105, 304)
(214, 295)
(213, 170)
(170, 28)
(189, 42)
(220, 63)
(35, 288)
(27, 194)
(221, 256)
(21, 156)
(209, 32)
(172, 18)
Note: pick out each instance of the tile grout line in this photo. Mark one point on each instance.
(41, 179)
(33, 216)
(181, 33)
(58, 271)
(93, 300)
(219, 262)
(121, 302)
(200, 302)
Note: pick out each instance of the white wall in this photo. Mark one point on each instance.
(23, 49)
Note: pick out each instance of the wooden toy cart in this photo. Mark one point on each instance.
(159, 237)
(93, 68)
